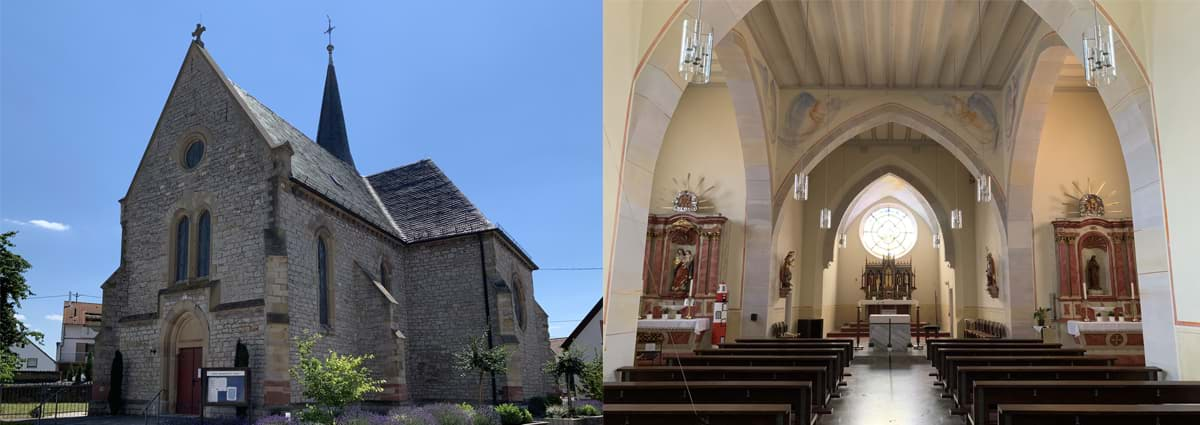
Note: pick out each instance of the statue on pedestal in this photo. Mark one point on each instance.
(1092, 275)
(682, 281)
(785, 274)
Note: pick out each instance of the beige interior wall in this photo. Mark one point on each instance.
(1078, 143)
(702, 139)
(989, 238)
(850, 260)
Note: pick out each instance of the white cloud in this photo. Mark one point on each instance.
(45, 224)
(54, 317)
(20, 317)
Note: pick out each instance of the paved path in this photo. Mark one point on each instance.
(901, 393)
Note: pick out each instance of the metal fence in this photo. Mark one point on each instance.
(22, 402)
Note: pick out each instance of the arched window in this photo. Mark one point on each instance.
(181, 249)
(518, 302)
(383, 275)
(889, 232)
(323, 280)
(203, 244)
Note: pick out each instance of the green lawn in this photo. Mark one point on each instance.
(10, 411)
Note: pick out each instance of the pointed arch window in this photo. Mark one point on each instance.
(181, 249)
(323, 280)
(518, 302)
(203, 244)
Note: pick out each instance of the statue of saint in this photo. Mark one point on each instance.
(1092, 275)
(682, 279)
(785, 274)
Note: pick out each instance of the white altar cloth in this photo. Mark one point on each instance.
(890, 327)
(886, 302)
(697, 325)
(1075, 327)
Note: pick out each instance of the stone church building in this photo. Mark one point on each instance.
(239, 228)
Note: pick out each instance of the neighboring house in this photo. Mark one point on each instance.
(239, 228)
(81, 322)
(587, 337)
(33, 358)
(556, 345)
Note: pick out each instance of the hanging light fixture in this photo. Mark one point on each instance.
(956, 221)
(1100, 65)
(937, 239)
(800, 187)
(826, 213)
(695, 49)
(983, 189)
(842, 240)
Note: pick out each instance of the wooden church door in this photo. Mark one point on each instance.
(187, 382)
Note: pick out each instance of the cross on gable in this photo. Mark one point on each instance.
(197, 33)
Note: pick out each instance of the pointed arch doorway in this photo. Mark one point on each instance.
(185, 344)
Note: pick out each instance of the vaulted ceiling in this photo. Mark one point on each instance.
(892, 132)
(892, 44)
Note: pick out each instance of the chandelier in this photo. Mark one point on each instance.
(983, 189)
(695, 49)
(842, 240)
(1101, 62)
(937, 239)
(800, 187)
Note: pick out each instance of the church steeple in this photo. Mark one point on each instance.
(331, 131)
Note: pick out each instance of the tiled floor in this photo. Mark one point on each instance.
(896, 391)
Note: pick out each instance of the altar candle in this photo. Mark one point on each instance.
(1131, 295)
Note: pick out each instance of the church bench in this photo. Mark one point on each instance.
(790, 340)
(797, 394)
(939, 362)
(830, 363)
(953, 363)
(989, 394)
(712, 414)
(846, 346)
(933, 346)
(842, 354)
(967, 375)
(816, 374)
(1098, 414)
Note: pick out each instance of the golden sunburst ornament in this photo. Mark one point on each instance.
(690, 198)
(1089, 203)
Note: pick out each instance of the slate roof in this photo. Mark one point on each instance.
(425, 204)
(318, 169)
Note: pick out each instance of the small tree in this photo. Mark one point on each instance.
(13, 289)
(333, 382)
(478, 359)
(568, 365)
(116, 404)
(241, 358)
(593, 378)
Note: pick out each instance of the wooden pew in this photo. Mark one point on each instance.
(830, 363)
(953, 363)
(712, 414)
(843, 355)
(797, 394)
(816, 374)
(785, 340)
(932, 350)
(939, 362)
(847, 346)
(932, 343)
(967, 375)
(1099, 414)
(990, 394)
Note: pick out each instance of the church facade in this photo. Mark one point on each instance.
(239, 230)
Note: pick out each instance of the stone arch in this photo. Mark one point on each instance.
(186, 325)
(656, 91)
(884, 114)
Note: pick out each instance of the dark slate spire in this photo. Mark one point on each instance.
(331, 131)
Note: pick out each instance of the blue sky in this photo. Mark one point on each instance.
(503, 95)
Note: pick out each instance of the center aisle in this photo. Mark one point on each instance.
(903, 394)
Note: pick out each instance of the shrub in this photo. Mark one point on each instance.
(357, 416)
(537, 406)
(485, 415)
(587, 410)
(274, 420)
(593, 378)
(557, 411)
(448, 414)
(410, 415)
(511, 414)
(334, 381)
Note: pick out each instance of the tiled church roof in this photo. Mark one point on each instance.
(425, 204)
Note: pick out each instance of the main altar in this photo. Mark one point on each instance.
(887, 286)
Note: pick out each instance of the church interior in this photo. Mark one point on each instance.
(907, 211)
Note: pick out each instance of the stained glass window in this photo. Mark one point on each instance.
(203, 244)
(195, 152)
(889, 232)
(181, 249)
(322, 282)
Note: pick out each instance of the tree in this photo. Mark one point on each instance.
(13, 289)
(476, 358)
(116, 379)
(333, 382)
(568, 365)
(593, 378)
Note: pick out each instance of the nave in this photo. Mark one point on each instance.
(949, 381)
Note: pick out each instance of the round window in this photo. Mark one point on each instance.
(889, 232)
(193, 155)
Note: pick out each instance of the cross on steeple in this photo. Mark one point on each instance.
(329, 32)
(197, 33)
